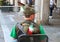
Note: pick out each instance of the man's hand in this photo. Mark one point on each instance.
(38, 22)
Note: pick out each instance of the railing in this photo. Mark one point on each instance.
(32, 38)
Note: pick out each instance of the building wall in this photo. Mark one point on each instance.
(37, 9)
(58, 3)
(42, 10)
(45, 11)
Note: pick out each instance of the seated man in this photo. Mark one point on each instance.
(22, 28)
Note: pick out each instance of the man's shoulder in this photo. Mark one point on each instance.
(19, 26)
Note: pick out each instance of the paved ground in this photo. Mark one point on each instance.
(1, 35)
(53, 33)
(10, 19)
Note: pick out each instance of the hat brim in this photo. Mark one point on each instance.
(21, 3)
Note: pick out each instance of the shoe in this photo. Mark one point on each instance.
(50, 17)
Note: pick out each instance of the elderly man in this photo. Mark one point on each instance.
(23, 28)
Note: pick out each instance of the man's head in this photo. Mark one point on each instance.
(29, 13)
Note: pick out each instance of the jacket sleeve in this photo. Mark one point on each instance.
(42, 37)
(42, 31)
(13, 32)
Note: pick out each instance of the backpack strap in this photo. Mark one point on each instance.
(19, 29)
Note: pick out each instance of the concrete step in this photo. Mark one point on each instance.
(56, 14)
(54, 21)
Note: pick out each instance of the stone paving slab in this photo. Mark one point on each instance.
(53, 33)
(1, 35)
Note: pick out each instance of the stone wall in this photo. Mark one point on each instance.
(37, 9)
(58, 3)
(45, 14)
(43, 10)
